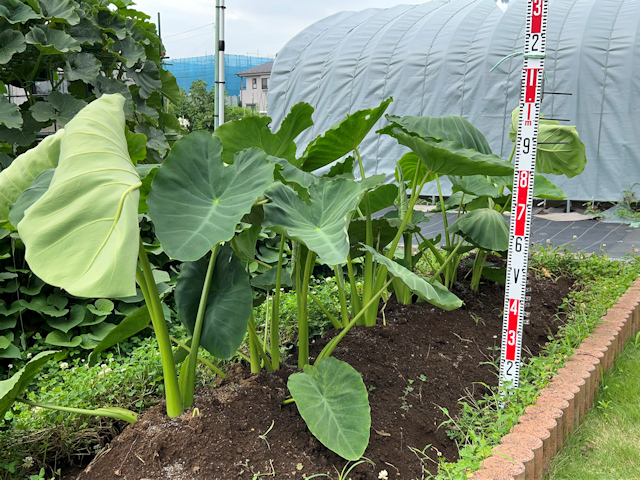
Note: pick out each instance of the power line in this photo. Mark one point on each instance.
(188, 31)
(189, 38)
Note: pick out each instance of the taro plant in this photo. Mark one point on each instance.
(453, 147)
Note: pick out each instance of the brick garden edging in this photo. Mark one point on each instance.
(526, 452)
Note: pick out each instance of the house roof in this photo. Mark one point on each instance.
(260, 69)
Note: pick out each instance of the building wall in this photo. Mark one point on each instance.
(255, 97)
(188, 70)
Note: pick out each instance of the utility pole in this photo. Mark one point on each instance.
(218, 118)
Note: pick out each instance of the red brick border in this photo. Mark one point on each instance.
(526, 452)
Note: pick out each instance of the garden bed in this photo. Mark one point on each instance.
(416, 368)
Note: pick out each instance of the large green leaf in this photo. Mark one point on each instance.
(333, 401)
(484, 227)
(408, 165)
(291, 174)
(477, 185)
(147, 78)
(380, 198)
(129, 326)
(51, 41)
(435, 293)
(254, 132)
(170, 87)
(60, 107)
(25, 168)
(16, 11)
(11, 388)
(9, 113)
(342, 138)
(383, 234)
(446, 157)
(321, 224)
(229, 303)
(559, 151)
(81, 66)
(82, 234)
(11, 42)
(76, 317)
(194, 179)
(131, 51)
(542, 187)
(60, 339)
(452, 127)
(61, 11)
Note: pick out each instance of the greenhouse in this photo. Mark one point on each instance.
(435, 59)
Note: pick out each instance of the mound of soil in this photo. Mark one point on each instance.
(422, 361)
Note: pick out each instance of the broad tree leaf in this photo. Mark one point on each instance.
(446, 157)
(60, 107)
(11, 42)
(342, 169)
(452, 127)
(333, 401)
(137, 146)
(228, 303)
(81, 66)
(484, 227)
(170, 87)
(322, 224)
(16, 11)
(25, 168)
(131, 52)
(61, 11)
(216, 198)
(87, 31)
(11, 388)
(155, 138)
(435, 293)
(244, 243)
(267, 281)
(24, 136)
(106, 85)
(51, 41)
(342, 138)
(254, 132)
(147, 78)
(82, 234)
(9, 113)
(11, 351)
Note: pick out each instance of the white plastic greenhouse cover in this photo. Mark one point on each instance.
(434, 59)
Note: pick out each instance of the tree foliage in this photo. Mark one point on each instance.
(62, 54)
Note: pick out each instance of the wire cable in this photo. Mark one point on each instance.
(188, 31)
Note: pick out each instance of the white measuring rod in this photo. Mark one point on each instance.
(515, 299)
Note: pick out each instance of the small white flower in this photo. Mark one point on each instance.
(111, 360)
(107, 371)
(383, 475)
(328, 279)
(101, 373)
(83, 360)
(10, 366)
(575, 237)
(604, 244)
(29, 356)
(548, 240)
(36, 409)
(64, 366)
(123, 370)
(359, 284)
(28, 462)
(103, 366)
(335, 288)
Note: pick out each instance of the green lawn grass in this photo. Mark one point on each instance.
(607, 445)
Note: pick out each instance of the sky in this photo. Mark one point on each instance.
(253, 27)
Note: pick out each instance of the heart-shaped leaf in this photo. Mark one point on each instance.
(342, 138)
(477, 185)
(9, 113)
(16, 12)
(60, 10)
(452, 128)
(446, 157)
(321, 224)
(333, 401)
(51, 41)
(228, 303)
(12, 387)
(25, 168)
(11, 42)
(76, 317)
(216, 198)
(383, 234)
(435, 293)
(60, 339)
(408, 164)
(82, 234)
(484, 227)
(60, 107)
(81, 66)
(147, 78)
(254, 132)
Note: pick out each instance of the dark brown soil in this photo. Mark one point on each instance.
(442, 355)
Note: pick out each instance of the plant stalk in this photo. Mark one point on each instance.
(121, 414)
(175, 406)
(275, 312)
(334, 321)
(303, 321)
(201, 359)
